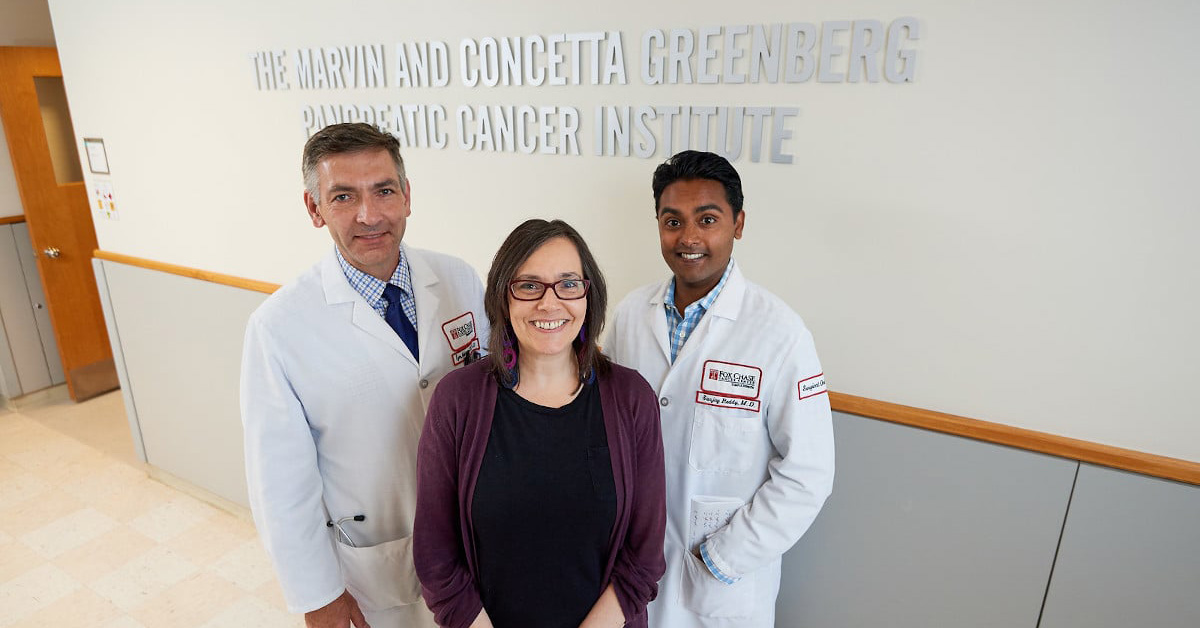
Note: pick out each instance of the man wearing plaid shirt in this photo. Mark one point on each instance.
(746, 422)
(337, 371)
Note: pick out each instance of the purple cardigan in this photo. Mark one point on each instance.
(451, 451)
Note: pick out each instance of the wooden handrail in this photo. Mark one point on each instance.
(184, 271)
(9, 220)
(1041, 442)
(1000, 434)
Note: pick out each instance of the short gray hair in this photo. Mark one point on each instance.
(350, 137)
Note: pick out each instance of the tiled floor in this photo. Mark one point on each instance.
(88, 539)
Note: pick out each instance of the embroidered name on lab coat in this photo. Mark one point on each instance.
(729, 385)
(812, 386)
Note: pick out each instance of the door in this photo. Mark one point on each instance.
(58, 216)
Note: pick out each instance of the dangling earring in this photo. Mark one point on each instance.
(510, 355)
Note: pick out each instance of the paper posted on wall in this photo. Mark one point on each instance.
(709, 514)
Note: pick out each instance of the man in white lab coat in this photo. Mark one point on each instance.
(337, 371)
(745, 419)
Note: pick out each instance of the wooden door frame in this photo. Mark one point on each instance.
(88, 364)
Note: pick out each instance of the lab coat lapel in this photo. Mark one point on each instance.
(658, 320)
(339, 293)
(729, 302)
(717, 319)
(425, 282)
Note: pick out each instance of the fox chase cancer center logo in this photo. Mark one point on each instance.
(729, 385)
(460, 333)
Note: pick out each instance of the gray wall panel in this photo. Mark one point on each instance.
(925, 529)
(1130, 554)
(181, 340)
(37, 297)
(114, 337)
(10, 383)
(30, 369)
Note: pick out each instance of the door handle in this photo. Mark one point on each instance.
(52, 252)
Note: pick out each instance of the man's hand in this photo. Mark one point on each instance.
(340, 613)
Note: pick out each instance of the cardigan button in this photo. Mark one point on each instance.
(664, 402)
(424, 383)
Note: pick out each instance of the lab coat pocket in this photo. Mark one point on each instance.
(704, 595)
(724, 440)
(381, 576)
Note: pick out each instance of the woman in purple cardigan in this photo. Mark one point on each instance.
(540, 498)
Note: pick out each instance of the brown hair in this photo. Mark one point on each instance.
(350, 137)
(517, 247)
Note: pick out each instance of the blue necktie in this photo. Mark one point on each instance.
(394, 315)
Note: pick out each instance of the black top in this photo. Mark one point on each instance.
(543, 511)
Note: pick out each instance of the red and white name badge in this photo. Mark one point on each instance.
(460, 334)
(812, 386)
(729, 385)
(461, 356)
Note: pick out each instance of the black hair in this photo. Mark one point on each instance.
(694, 164)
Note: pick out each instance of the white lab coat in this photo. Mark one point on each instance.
(749, 446)
(333, 404)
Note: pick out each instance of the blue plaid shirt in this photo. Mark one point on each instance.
(371, 288)
(681, 326)
(679, 329)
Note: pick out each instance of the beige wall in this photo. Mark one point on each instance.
(1009, 237)
(25, 23)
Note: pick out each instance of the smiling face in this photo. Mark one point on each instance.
(548, 326)
(696, 229)
(361, 200)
